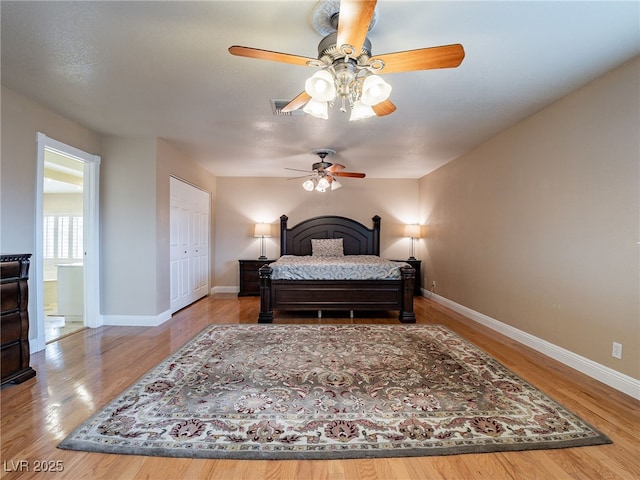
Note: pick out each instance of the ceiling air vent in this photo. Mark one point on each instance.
(278, 105)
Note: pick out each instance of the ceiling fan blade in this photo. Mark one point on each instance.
(269, 55)
(384, 108)
(296, 103)
(348, 174)
(334, 167)
(301, 176)
(310, 172)
(353, 22)
(446, 56)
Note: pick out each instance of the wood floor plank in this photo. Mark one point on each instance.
(83, 372)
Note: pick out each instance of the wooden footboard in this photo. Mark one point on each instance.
(355, 295)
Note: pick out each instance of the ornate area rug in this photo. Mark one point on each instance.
(329, 391)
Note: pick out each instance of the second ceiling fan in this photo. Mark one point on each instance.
(348, 71)
(323, 175)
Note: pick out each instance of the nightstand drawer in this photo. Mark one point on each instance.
(249, 276)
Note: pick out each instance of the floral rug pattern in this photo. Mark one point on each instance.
(329, 391)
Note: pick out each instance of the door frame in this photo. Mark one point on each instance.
(91, 237)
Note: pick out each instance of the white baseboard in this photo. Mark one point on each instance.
(606, 375)
(225, 290)
(136, 320)
(35, 346)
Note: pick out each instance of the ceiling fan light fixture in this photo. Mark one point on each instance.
(374, 90)
(308, 185)
(348, 69)
(323, 174)
(323, 184)
(321, 86)
(317, 109)
(360, 111)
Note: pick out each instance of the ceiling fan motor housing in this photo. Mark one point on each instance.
(319, 166)
(328, 46)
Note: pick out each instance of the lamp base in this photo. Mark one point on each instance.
(412, 258)
(262, 257)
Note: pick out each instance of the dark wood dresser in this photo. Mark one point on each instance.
(249, 277)
(14, 319)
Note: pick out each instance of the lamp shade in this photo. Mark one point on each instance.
(412, 231)
(262, 230)
(321, 86)
(323, 183)
(360, 111)
(317, 109)
(308, 185)
(374, 90)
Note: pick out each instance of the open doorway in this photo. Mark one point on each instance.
(66, 261)
(63, 245)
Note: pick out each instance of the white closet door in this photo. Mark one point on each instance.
(189, 244)
(200, 243)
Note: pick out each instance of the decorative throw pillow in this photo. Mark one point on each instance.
(327, 247)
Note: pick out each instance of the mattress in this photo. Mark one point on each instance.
(347, 267)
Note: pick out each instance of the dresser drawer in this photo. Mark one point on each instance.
(10, 296)
(11, 328)
(11, 269)
(11, 358)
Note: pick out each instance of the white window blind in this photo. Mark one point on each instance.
(49, 233)
(76, 238)
(63, 237)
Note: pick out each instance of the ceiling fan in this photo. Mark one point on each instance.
(348, 69)
(322, 175)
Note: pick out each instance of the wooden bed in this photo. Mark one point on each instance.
(341, 295)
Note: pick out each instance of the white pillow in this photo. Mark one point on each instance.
(327, 247)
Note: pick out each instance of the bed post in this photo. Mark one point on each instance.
(408, 278)
(376, 235)
(266, 313)
(283, 234)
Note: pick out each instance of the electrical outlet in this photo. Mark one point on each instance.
(616, 351)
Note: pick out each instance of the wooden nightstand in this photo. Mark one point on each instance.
(249, 277)
(417, 286)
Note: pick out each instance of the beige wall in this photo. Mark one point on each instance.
(128, 227)
(135, 222)
(172, 162)
(21, 120)
(241, 202)
(134, 196)
(539, 227)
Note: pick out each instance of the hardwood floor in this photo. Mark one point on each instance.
(79, 374)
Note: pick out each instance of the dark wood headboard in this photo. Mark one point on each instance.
(357, 239)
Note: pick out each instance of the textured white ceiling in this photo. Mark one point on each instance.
(162, 69)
